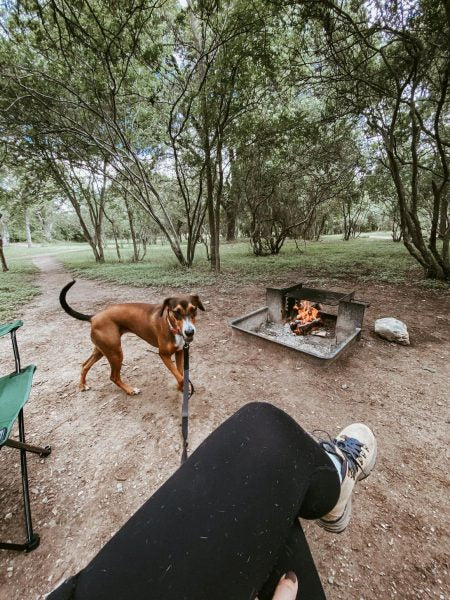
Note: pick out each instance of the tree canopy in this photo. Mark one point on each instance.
(201, 120)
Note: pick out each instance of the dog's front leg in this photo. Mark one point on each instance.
(166, 358)
(179, 357)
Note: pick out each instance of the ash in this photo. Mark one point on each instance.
(321, 346)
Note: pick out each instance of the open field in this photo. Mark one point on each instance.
(363, 259)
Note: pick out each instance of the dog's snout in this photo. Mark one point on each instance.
(188, 329)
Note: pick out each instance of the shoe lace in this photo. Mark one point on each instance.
(350, 447)
(353, 449)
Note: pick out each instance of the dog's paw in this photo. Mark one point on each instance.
(84, 388)
(135, 392)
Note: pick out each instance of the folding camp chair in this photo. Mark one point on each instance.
(14, 392)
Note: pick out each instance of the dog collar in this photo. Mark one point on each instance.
(172, 329)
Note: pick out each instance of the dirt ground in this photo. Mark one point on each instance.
(110, 451)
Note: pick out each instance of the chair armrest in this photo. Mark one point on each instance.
(8, 327)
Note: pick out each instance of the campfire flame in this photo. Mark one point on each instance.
(306, 313)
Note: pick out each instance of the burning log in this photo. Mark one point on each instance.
(303, 328)
(307, 318)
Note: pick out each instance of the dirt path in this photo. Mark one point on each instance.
(110, 451)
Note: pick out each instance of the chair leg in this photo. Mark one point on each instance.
(32, 538)
(43, 452)
(26, 493)
(27, 547)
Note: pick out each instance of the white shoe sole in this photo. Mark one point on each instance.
(340, 524)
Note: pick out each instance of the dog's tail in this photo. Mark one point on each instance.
(66, 307)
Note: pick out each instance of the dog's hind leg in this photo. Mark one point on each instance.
(107, 339)
(90, 362)
(115, 359)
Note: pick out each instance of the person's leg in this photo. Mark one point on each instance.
(218, 526)
(295, 556)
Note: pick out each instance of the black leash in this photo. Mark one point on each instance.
(187, 393)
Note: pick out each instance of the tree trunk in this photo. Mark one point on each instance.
(48, 226)
(117, 243)
(27, 228)
(231, 207)
(212, 224)
(132, 230)
(410, 224)
(231, 221)
(319, 227)
(87, 236)
(346, 210)
(217, 238)
(443, 220)
(5, 234)
(209, 167)
(213, 233)
(396, 231)
(2, 257)
(99, 244)
(98, 222)
(62, 181)
(218, 201)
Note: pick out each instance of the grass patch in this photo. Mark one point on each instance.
(331, 259)
(325, 262)
(16, 288)
(17, 252)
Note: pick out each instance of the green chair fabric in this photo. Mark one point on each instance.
(14, 392)
(8, 327)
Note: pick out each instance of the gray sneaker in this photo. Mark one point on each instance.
(356, 448)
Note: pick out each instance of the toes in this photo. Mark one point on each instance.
(135, 392)
(84, 388)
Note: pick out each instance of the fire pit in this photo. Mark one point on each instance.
(320, 324)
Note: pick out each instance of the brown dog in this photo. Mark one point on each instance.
(166, 326)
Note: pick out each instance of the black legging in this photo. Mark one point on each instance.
(225, 525)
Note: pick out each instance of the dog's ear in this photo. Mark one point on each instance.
(197, 302)
(164, 304)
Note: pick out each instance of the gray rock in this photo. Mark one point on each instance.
(393, 330)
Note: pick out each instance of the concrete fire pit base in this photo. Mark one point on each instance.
(256, 327)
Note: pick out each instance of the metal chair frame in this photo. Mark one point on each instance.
(33, 538)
